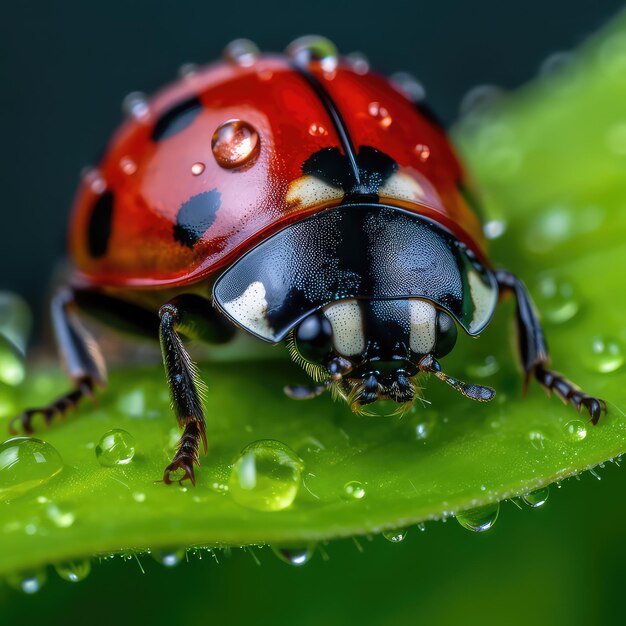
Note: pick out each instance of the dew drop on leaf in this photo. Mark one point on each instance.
(353, 490)
(537, 498)
(25, 463)
(296, 556)
(266, 476)
(169, 557)
(396, 535)
(576, 430)
(605, 356)
(27, 582)
(479, 519)
(117, 447)
(74, 571)
(556, 299)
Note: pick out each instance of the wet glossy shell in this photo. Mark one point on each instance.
(227, 156)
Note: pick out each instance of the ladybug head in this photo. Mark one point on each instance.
(370, 350)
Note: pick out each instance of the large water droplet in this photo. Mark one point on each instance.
(296, 556)
(235, 143)
(169, 557)
(242, 52)
(537, 498)
(396, 535)
(616, 138)
(312, 49)
(74, 571)
(479, 519)
(27, 582)
(266, 476)
(117, 447)
(353, 490)
(25, 463)
(576, 430)
(606, 355)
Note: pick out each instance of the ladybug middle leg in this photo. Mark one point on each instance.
(81, 356)
(534, 353)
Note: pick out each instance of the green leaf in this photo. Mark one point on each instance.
(551, 162)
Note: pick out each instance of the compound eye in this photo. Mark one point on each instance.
(446, 334)
(314, 338)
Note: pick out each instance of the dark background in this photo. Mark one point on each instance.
(65, 67)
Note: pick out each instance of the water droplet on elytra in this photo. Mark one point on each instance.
(128, 166)
(168, 557)
(576, 430)
(117, 447)
(266, 476)
(27, 582)
(74, 571)
(479, 519)
(296, 556)
(25, 463)
(312, 49)
(317, 130)
(353, 490)
(606, 355)
(396, 535)
(197, 168)
(380, 114)
(537, 498)
(235, 143)
(422, 151)
(242, 52)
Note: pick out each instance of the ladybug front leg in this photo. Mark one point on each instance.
(82, 359)
(186, 390)
(534, 354)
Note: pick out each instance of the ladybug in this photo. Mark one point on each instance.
(299, 198)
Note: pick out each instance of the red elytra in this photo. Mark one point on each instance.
(149, 181)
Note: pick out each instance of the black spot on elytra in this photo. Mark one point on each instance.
(176, 118)
(196, 216)
(99, 227)
(333, 167)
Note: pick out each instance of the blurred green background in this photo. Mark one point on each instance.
(65, 69)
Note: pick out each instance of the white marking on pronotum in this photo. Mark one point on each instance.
(423, 326)
(308, 191)
(346, 320)
(250, 310)
(403, 187)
